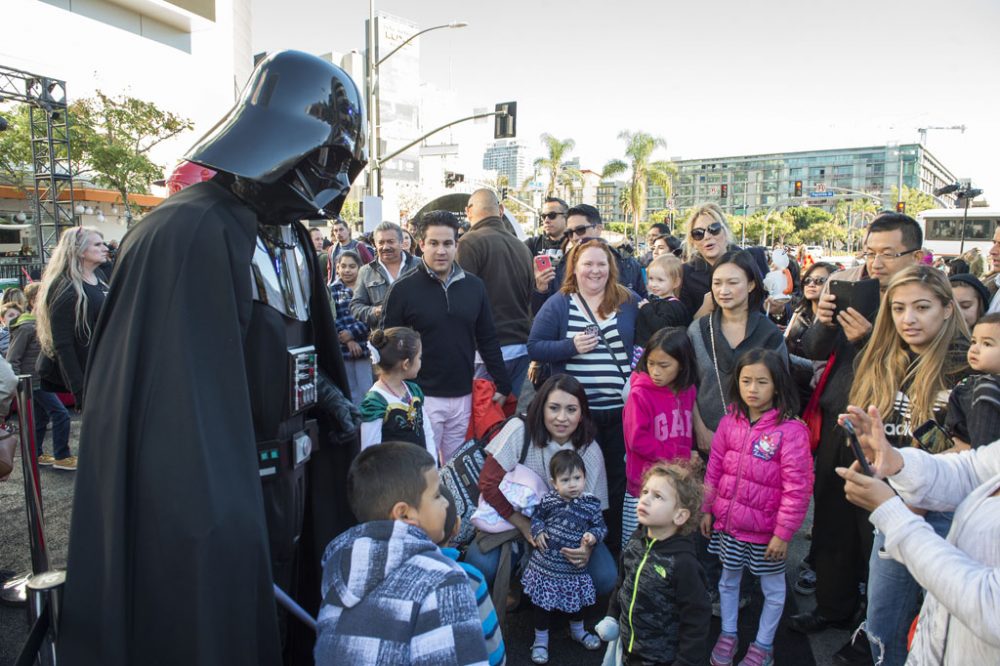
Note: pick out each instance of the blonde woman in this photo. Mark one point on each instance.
(708, 238)
(916, 353)
(69, 301)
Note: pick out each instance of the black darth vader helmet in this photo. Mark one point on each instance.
(297, 134)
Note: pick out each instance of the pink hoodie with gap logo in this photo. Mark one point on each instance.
(657, 426)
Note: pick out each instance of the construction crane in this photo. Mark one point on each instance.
(923, 131)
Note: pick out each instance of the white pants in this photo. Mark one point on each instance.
(448, 419)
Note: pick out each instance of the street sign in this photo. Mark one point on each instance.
(826, 193)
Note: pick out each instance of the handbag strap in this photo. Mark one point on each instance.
(600, 333)
(715, 360)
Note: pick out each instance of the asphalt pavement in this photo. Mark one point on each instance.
(57, 495)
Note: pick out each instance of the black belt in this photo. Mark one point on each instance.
(275, 456)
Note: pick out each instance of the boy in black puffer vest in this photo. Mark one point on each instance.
(660, 608)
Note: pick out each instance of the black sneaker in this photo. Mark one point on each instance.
(855, 652)
(812, 622)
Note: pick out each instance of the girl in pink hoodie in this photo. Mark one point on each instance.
(757, 489)
(657, 416)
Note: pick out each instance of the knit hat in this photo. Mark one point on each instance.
(972, 281)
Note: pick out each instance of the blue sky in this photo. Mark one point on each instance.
(713, 79)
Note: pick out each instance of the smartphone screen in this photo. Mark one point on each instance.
(932, 437)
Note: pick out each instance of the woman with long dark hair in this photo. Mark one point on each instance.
(558, 419)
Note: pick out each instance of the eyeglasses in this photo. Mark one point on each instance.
(551, 216)
(699, 234)
(818, 281)
(885, 256)
(582, 229)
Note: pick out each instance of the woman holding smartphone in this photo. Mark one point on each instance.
(587, 331)
(916, 353)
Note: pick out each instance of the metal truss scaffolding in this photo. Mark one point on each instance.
(50, 151)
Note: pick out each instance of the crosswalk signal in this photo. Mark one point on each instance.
(798, 188)
(505, 121)
(900, 206)
(724, 191)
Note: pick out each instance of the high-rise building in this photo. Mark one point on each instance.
(755, 182)
(509, 159)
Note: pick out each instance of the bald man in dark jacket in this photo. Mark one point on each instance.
(491, 252)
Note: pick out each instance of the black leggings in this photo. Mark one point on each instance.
(611, 439)
(543, 618)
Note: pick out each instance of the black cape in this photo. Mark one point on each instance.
(168, 558)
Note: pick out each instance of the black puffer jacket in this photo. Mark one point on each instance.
(661, 601)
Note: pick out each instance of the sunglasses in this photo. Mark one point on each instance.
(551, 216)
(818, 281)
(582, 229)
(699, 234)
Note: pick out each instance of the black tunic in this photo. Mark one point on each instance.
(168, 558)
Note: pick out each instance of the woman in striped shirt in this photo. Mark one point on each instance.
(586, 331)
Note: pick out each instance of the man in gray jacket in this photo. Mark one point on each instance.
(375, 278)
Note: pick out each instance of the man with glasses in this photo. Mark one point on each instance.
(584, 223)
(841, 532)
(552, 240)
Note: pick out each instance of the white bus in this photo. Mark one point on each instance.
(942, 229)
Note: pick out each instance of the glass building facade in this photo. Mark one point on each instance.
(754, 182)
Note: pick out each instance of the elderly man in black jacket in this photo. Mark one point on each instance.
(503, 263)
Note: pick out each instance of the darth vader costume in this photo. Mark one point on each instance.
(215, 431)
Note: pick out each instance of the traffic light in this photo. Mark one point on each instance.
(450, 178)
(724, 191)
(505, 122)
(900, 206)
(503, 193)
(798, 188)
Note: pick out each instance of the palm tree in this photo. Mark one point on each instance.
(558, 150)
(639, 150)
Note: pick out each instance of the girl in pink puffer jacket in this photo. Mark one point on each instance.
(757, 489)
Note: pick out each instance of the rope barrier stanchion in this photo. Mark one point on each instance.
(41, 588)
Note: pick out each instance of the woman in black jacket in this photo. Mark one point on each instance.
(70, 299)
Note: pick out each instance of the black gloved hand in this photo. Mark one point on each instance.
(342, 414)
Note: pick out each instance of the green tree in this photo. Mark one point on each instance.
(853, 216)
(804, 217)
(639, 148)
(915, 200)
(558, 152)
(114, 138)
(15, 149)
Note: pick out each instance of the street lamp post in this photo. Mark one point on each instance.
(372, 94)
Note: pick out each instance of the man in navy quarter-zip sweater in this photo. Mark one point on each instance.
(450, 310)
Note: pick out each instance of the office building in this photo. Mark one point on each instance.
(747, 183)
(509, 159)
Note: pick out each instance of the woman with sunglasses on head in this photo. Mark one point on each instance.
(587, 331)
(708, 238)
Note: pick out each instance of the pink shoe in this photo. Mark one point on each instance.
(724, 650)
(758, 656)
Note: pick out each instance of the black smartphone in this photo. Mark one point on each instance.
(859, 455)
(932, 437)
(862, 295)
